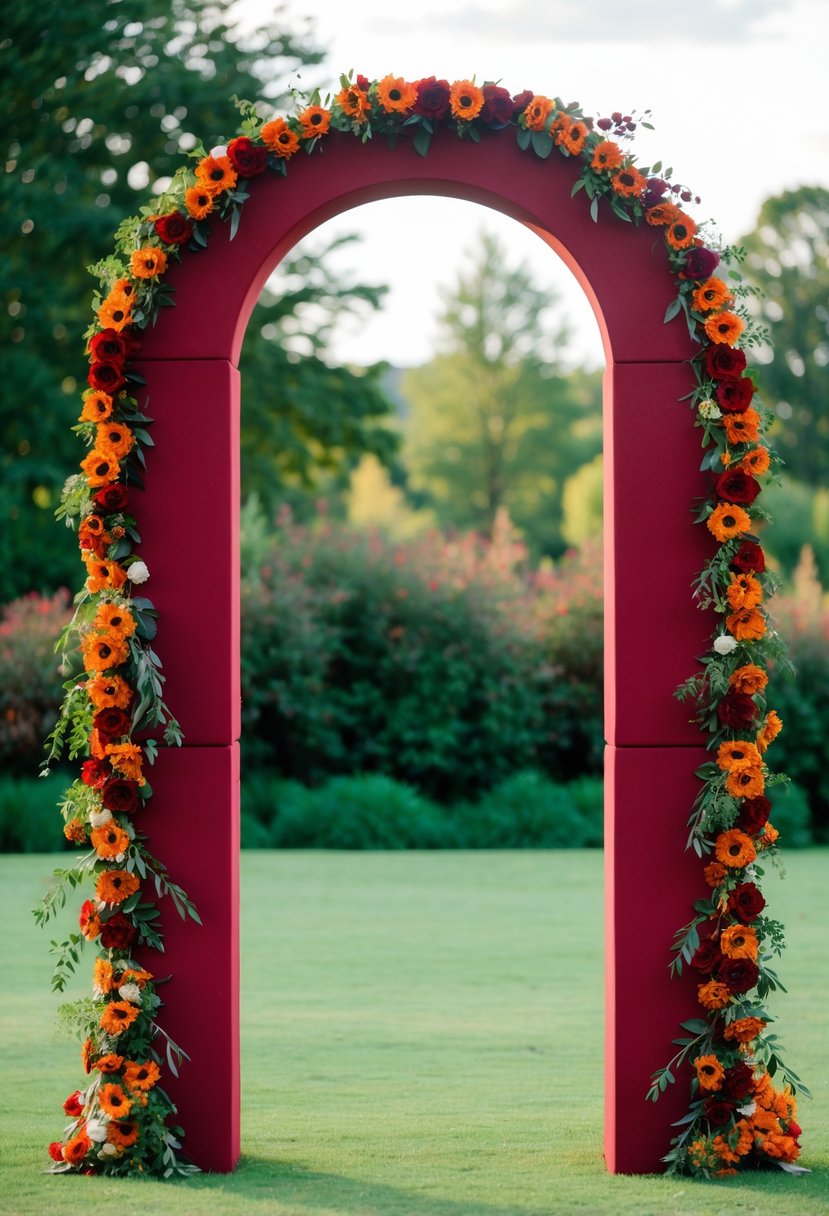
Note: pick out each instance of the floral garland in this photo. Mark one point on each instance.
(119, 1121)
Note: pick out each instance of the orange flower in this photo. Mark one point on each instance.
(714, 873)
(113, 1101)
(140, 1076)
(108, 692)
(724, 327)
(110, 841)
(109, 1063)
(314, 122)
(681, 231)
(76, 1149)
(743, 1030)
(570, 134)
(115, 619)
(122, 1133)
(100, 467)
(710, 1072)
(727, 520)
(746, 624)
(770, 835)
(103, 651)
(103, 575)
(215, 174)
(733, 848)
(116, 310)
(607, 156)
(749, 679)
(736, 755)
(87, 1051)
(118, 1016)
(278, 137)
(466, 100)
(713, 995)
(663, 214)
(75, 831)
(114, 439)
(724, 1151)
(353, 102)
(745, 783)
(746, 1141)
(128, 758)
(148, 263)
(782, 1148)
(537, 112)
(744, 591)
(628, 182)
(101, 977)
(199, 202)
(396, 95)
(96, 406)
(114, 886)
(756, 462)
(713, 293)
(771, 728)
(131, 976)
(742, 428)
(739, 941)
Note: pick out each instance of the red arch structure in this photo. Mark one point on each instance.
(653, 630)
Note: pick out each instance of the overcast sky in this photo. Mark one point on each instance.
(738, 90)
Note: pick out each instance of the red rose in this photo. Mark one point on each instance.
(174, 229)
(738, 1082)
(497, 107)
(56, 1150)
(110, 499)
(707, 956)
(734, 396)
(110, 724)
(94, 773)
(72, 1107)
(106, 378)
(120, 795)
(117, 933)
(754, 814)
(746, 902)
(737, 711)
(735, 486)
(109, 346)
(520, 102)
(717, 1112)
(794, 1129)
(432, 98)
(248, 159)
(700, 263)
(724, 362)
(739, 974)
(363, 83)
(749, 558)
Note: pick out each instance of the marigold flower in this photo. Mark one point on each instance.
(114, 886)
(115, 619)
(724, 327)
(97, 406)
(128, 759)
(713, 293)
(713, 995)
(756, 462)
(537, 112)
(744, 591)
(770, 836)
(769, 731)
(114, 439)
(396, 95)
(110, 842)
(733, 848)
(663, 214)
(215, 174)
(571, 134)
(628, 182)
(314, 121)
(108, 691)
(100, 468)
(724, 1151)
(199, 202)
(742, 428)
(110, 1063)
(102, 652)
(141, 1077)
(748, 679)
(607, 156)
(466, 100)
(736, 755)
(131, 975)
(278, 137)
(739, 941)
(75, 831)
(727, 520)
(102, 975)
(745, 783)
(353, 102)
(714, 873)
(148, 263)
(743, 1030)
(118, 1016)
(681, 231)
(114, 1101)
(116, 310)
(746, 624)
(710, 1072)
(122, 1133)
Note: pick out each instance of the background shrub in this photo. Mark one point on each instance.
(30, 679)
(29, 819)
(525, 811)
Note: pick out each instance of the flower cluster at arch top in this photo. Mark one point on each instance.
(113, 711)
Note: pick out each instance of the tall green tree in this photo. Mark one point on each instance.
(496, 422)
(788, 260)
(101, 102)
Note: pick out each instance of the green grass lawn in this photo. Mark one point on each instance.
(422, 1035)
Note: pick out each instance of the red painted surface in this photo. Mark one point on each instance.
(190, 527)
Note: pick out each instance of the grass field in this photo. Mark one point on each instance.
(422, 1037)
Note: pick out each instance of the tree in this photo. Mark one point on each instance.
(495, 421)
(102, 101)
(788, 260)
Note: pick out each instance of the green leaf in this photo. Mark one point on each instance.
(672, 310)
(542, 144)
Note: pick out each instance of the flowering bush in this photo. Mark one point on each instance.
(30, 676)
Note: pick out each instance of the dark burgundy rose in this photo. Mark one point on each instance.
(111, 724)
(739, 974)
(497, 107)
(106, 378)
(248, 159)
(707, 956)
(109, 346)
(605, 124)
(654, 191)
(737, 711)
(718, 1113)
(734, 396)
(111, 499)
(700, 263)
(520, 101)
(754, 814)
(119, 794)
(175, 228)
(746, 902)
(95, 773)
(736, 486)
(724, 362)
(432, 98)
(117, 933)
(749, 558)
(738, 1082)
(363, 83)
(795, 1129)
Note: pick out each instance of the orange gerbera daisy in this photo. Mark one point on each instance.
(735, 755)
(96, 406)
(122, 1133)
(116, 310)
(710, 1072)
(215, 174)
(466, 100)
(746, 624)
(102, 974)
(101, 468)
(745, 783)
(749, 679)
(743, 1030)
(727, 520)
(733, 848)
(713, 995)
(128, 758)
(199, 202)
(141, 1076)
(87, 1052)
(76, 1149)
(714, 873)
(103, 575)
(771, 728)
(571, 134)
(114, 438)
(396, 95)
(148, 263)
(114, 1101)
(628, 182)
(110, 841)
(663, 214)
(352, 100)
(756, 462)
(116, 619)
(103, 651)
(739, 941)
(724, 327)
(108, 692)
(132, 976)
(110, 1063)
(607, 156)
(744, 591)
(681, 231)
(118, 1016)
(742, 428)
(114, 886)
(537, 112)
(314, 121)
(278, 138)
(713, 293)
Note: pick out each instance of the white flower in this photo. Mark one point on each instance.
(130, 992)
(99, 817)
(748, 1110)
(108, 1150)
(219, 150)
(138, 572)
(96, 1129)
(724, 644)
(709, 409)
